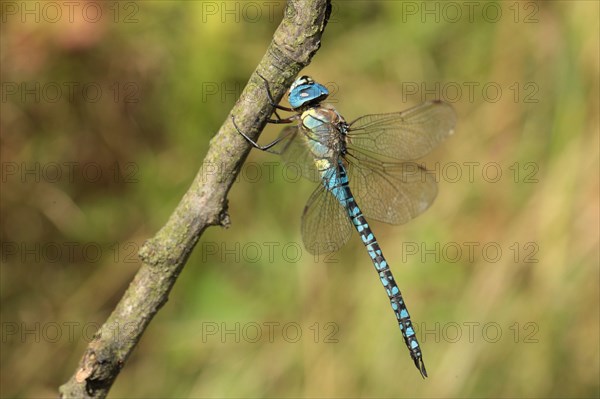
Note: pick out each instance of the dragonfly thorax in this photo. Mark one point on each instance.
(305, 93)
(325, 131)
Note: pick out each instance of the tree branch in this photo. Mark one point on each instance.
(205, 204)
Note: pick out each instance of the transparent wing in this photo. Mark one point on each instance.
(295, 152)
(406, 135)
(389, 192)
(326, 226)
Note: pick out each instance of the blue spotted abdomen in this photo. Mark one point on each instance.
(335, 180)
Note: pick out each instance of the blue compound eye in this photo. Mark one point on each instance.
(305, 91)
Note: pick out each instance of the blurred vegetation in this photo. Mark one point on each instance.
(523, 323)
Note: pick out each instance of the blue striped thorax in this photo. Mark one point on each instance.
(305, 92)
(325, 114)
(324, 132)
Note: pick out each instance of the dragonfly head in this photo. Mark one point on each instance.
(305, 92)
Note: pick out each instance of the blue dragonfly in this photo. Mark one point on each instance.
(367, 162)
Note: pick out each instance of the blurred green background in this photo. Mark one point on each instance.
(108, 110)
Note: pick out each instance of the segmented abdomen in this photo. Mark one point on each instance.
(337, 183)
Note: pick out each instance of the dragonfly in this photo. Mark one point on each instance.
(365, 169)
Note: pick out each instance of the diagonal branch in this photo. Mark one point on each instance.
(205, 203)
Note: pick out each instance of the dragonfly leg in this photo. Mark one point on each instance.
(271, 101)
(280, 121)
(277, 121)
(254, 143)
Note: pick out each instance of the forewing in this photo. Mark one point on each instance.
(390, 192)
(326, 226)
(406, 135)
